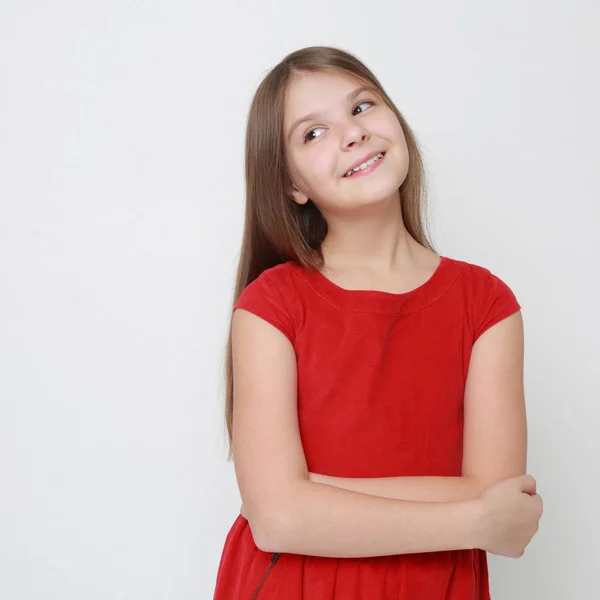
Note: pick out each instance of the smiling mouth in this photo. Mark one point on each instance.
(365, 165)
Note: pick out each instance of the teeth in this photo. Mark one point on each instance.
(364, 165)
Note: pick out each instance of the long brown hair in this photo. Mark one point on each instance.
(277, 229)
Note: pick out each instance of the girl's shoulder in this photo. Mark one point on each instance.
(488, 297)
(271, 296)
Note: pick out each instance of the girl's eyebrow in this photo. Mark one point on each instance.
(314, 115)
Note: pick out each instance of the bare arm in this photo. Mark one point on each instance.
(416, 489)
(495, 416)
(322, 520)
(420, 489)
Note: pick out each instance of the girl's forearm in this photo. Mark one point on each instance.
(419, 489)
(317, 519)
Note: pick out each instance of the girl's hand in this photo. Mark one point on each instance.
(511, 511)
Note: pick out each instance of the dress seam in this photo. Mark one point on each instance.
(382, 312)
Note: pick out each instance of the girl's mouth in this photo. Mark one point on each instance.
(366, 167)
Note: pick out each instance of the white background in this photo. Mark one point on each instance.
(121, 189)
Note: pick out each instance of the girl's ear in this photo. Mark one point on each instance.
(296, 195)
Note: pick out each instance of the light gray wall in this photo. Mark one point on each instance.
(121, 190)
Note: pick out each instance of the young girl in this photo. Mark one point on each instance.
(378, 430)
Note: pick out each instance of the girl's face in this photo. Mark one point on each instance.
(344, 125)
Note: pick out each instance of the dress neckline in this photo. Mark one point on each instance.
(379, 301)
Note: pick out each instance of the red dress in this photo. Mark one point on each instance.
(394, 409)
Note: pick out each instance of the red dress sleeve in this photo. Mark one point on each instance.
(266, 299)
(497, 302)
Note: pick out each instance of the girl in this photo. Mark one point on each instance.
(378, 430)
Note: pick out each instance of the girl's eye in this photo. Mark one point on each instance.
(363, 102)
(308, 132)
(306, 138)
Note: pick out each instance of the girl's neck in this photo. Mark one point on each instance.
(389, 251)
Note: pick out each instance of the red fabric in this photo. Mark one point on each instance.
(394, 409)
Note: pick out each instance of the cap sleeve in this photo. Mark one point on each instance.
(266, 299)
(497, 302)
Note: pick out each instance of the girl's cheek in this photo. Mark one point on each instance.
(329, 154)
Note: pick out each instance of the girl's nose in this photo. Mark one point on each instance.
(354, 135)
